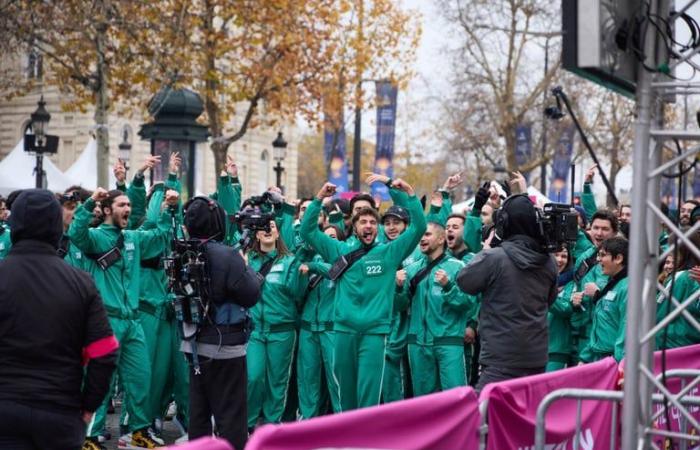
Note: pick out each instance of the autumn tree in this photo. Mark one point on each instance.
(91, 51)
(258, 62)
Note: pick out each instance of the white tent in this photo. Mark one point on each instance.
(532, 192)
(84, 169)
(17, 172)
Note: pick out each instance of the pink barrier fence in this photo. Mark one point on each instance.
(446, 420)
(677, 358)
(512, 409)
(205, 443)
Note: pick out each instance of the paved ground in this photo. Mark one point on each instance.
(170, 431)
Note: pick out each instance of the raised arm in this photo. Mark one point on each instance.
(328, 248)
(79, 231)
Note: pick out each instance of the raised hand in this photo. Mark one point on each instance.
(376, 178)
(518, 185)
(119, 171)
(400, 277)
(174, 163)
(402, 185)
(100, 194)
(150, 163)
(231, 167)
(171, 197)
(452, 181)
(328, 190)
(590, 173)
(482, 196)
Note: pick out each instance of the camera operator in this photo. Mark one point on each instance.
(220, 387)
(52, 322)
(517, 281)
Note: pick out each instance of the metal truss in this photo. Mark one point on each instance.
(642, 388)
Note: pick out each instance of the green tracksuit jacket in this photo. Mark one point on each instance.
(5, 242)
(365, 293)
(436, 331)
(273, 340)
(607, 336)
(559, 320)
(119, 284)
(582, 317)
(316, 345)
(679, 332)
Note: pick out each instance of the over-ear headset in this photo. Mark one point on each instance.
(214, 208)
(501, 216)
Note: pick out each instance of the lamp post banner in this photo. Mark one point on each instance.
(445, 420)
(512, 409)
(523, 146)
(386, 127)
(561, 162)
(335, 157)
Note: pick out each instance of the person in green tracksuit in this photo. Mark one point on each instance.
(169, 370)
(607, 336)
(5, 243)
(272, 342)
(679, 332)
(589, 279)
(559, 315)
(365, 291)
(317, 339)
(459, 231)
(112, 255)
(438, 316)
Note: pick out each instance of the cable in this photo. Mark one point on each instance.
(682, 172)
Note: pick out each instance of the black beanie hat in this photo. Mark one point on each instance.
(522, 217)
(205, 219)
(36, 214)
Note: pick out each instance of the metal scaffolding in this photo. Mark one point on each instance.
(641, 387)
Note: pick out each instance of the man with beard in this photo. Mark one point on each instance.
(111, 255)
(365, 276)
(456, 233)
(517, 281)
(686, 210)
(438, 316)
(589, 279)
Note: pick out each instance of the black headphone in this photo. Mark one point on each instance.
(213, 207)
(500, 220)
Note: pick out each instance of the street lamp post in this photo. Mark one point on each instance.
(40, 141)
(279, 153)
(125, 149)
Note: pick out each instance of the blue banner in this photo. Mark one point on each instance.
(523, 146)
(696, 182)
(386, 126)
(335, 158)
(561, 166)
(669, 190)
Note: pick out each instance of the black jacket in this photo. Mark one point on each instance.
(518, 283)
(52, 319)
(234, 288)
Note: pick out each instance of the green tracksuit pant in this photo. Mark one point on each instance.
(169, 371)
(359, 366)
(393, 379)
(436, 367)
(134, 373)
(315, 358)
(269, 358)
(556, 361)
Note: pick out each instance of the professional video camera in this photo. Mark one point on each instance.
(188, 279)
(251, 217)
(558, 225)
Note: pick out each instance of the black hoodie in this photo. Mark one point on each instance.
(518, 283)
(52, 319)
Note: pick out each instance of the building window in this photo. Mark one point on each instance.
(35, 66)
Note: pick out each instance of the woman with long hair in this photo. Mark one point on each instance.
(681, 285)
(272, 342)
(559, 315)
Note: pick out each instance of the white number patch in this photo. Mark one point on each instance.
(374, 270)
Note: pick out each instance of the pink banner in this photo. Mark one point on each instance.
(512, 409)
(677, 358)
(446, 420)
(205, 443)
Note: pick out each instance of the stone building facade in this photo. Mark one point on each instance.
(253, 153)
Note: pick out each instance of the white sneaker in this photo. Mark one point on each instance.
(124, 441)
(171, 412)
(182, 439)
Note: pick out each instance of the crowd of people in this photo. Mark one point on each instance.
(334, 306)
